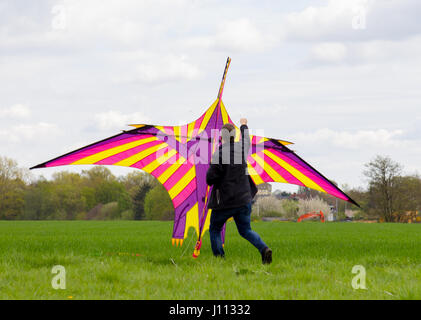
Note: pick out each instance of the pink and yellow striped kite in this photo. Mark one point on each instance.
(179, 156)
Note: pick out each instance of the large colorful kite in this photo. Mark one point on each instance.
(179, 156)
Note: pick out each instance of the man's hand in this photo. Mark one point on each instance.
(243, 121)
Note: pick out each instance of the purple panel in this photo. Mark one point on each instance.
(180, 215)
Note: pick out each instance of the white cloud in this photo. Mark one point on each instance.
(373, 52)
(354, 20)
(16, 111)
(239, 35)
(380, 138)
(117, 121)
(165, 69)
(24, 133)
(334, 18)
(330, 52)
(242, 35)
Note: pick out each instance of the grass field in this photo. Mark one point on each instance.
(135, 260)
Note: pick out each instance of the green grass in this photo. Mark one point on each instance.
(310, 261)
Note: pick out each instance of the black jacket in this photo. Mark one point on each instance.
(232, 186)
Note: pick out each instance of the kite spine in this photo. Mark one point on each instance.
(221, 87)
(196, 251)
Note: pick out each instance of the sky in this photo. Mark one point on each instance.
(340, 79)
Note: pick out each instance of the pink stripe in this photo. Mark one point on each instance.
(198, 123)
(177, 175)
(183, 133)
(85, 153)
(128, 153)
(265, 177)
(229, 120)
(306, 171)
(168, 163)
(145, 161)
(169, 130)
(284, 173)
(184, 193)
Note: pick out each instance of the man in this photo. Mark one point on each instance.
(233, 190)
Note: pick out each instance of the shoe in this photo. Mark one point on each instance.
(266, 256)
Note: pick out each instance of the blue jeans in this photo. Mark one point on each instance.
(241, 217)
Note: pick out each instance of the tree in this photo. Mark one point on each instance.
(97, 175)
(67, 188)
(40, 201)
(361, 196)
(108, 191)
(383, 174)
(133, 180)
(139, 201)
(141, 185)
(409, 194)
(158, 205)
(12, 189)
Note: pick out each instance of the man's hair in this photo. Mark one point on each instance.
(228, 132)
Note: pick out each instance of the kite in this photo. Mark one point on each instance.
(179, 156)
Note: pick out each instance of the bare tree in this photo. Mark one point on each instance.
(383, 174)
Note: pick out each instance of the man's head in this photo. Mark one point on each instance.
(228, 132)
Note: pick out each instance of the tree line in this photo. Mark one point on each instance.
(91, 194)
(96, 193)
(390, 195)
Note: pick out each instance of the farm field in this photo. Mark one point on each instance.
(135, 260)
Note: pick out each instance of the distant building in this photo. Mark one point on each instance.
(264, 190)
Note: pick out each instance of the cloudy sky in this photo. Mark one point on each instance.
(341, 79)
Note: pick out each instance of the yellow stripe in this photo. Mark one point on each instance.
(167, 173)
(177, 132)
(207, 223)
(192, 220)
(224, 113)
(297, 174)
(156, 163)
(113, 151)
(269, 170)
(182, 183)
(161, 128)
(237, 134)
(139, 156)
(285, 143)
(254, 175)
(208, 116)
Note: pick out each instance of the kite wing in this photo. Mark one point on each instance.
(271, 161)
(177, 156)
